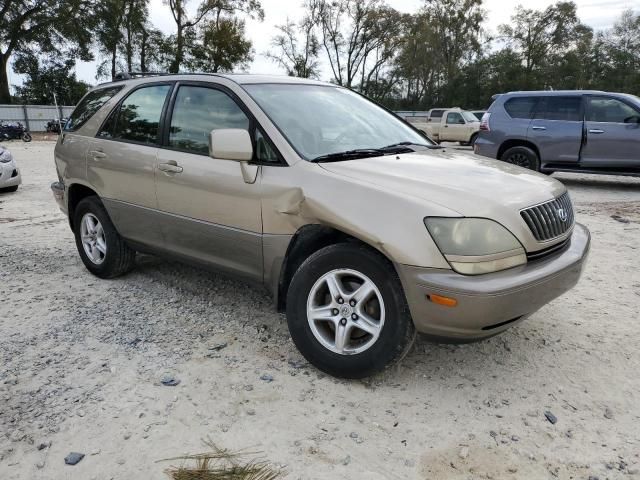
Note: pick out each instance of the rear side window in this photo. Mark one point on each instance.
(138, 118)
(436, 114)
(88, 106)
(521, 107)
(197, 111)
(560, 108)
(609, 110)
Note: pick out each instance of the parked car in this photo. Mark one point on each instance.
(564, 131)
(10, 177)
(14, 131)
(455, 125)
(435, 114)
(478, 113)
(363, 230)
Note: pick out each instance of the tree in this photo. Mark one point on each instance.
(298, 57)
(221, 47)
(539, 35)
(47, 76)
(49, 25)
(216, 9)
(109, 34)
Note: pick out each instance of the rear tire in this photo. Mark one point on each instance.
(102, 250)
(522, 157)
(339, 329)
(9, 189)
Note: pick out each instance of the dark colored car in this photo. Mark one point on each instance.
(548, 131)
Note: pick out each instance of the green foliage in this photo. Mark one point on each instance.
(46, 77)
(46, 26)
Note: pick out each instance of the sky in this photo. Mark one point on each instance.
(598, 14)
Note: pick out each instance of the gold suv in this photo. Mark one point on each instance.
(362, 229)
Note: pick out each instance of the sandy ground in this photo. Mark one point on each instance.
(81, 361)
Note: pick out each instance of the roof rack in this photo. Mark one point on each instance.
(130, 75)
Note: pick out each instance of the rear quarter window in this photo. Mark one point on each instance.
(521, 107)
(88, 106)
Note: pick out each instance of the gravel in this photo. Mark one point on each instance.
(81, 361)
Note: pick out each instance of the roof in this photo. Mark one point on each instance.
(239, 78)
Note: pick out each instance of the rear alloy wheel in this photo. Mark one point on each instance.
(522, 157)
(102, 250)
(347, 312)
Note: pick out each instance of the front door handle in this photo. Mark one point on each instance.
(170, 167)
(596, 131)
(97, 154)
(538, 128)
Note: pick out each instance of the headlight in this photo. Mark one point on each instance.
(473, 246)
(5, 156)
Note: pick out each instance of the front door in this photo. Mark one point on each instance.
(455, 128)
(613, 134)
(556, 129)
(209, 212)
(121, 163)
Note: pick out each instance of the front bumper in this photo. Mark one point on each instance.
(488, 304)
(9, 175)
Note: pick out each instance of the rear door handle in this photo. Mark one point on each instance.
(538, 128)
(170, 167)
(97, 154)
(596, 131)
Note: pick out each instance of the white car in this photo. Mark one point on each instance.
(9, 173)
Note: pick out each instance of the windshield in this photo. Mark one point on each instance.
(469, 117)
(320, 120)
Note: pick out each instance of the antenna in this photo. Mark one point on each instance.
(55, 101)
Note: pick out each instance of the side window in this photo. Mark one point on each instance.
(197, 111)
(436, 114)
(611, 110)
(520, 107)
(560, 108)
(139, 116)
(454, 118)
(264, 152)
(88, 106)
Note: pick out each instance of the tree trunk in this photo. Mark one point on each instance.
(143, 51)
(114, 53)
(5, 95)
(175, 65)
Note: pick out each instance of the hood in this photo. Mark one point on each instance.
(471, 185)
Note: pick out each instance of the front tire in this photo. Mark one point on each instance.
(347, 312)
(26, 137)
(522, 157)
(102, 250)
(9, 189)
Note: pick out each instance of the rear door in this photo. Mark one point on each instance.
(557, 127)
(121, 162)
(612, 133)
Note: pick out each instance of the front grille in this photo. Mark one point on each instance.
(551, 219)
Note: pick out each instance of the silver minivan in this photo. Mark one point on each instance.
(564, 131)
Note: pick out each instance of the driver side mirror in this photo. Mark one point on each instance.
(230, 144)
(632, 119)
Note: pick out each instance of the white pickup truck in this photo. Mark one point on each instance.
(455, 125)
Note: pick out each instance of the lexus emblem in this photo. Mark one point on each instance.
(562, 214)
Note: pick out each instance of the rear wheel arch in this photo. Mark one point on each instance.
(507, 144)
(75, 194)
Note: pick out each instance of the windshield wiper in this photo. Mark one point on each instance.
(406, 144)
(351, 154)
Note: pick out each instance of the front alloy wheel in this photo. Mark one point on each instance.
(345, 311)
